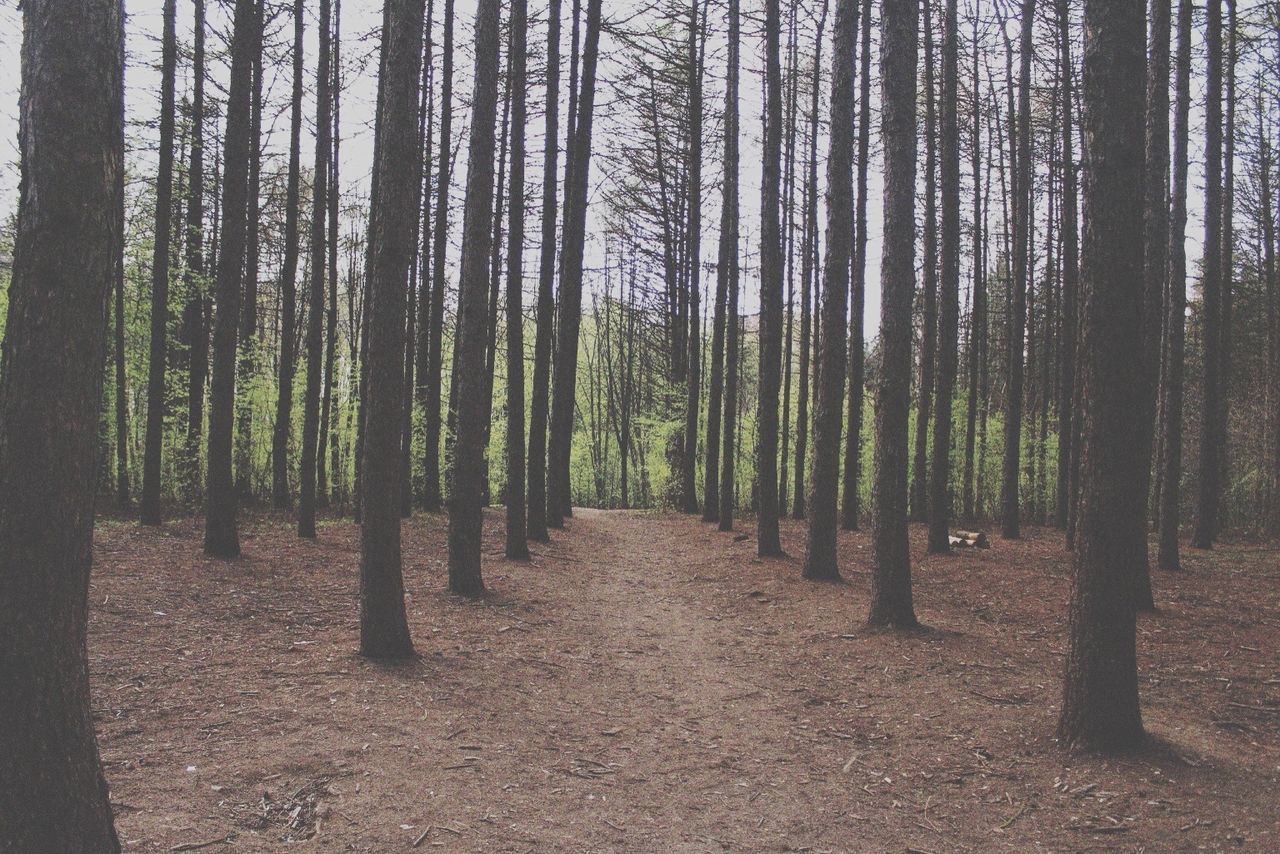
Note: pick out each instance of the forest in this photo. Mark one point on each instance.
(791, 425)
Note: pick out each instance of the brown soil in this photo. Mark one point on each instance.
(646, 683)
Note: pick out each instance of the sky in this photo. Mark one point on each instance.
(360, 20)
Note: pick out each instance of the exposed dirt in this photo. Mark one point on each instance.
(646, 683)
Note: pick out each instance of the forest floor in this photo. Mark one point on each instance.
(646, 683)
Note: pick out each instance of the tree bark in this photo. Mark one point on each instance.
(431, 497)
(67, 249)
(891, 603)
(220, 536)
(849, 509)
(918, 496)
(149, 506)
(1100, 691)
(315, 290)
(194, 328)
(280, 492)
(1168, 557)
(1155, 264)
(1067, 426)
(728, 272)
(465, 498)
(384, 629)
(768, 542)
(570, 309)
(949, 302)
(539, 405)
(517, 547)
(1010, 498)
(1210, 487)
(821, 560)
(693, 385)
(246, 365)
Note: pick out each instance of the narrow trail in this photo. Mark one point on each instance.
(647, 683)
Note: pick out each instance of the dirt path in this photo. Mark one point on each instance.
(646, 683)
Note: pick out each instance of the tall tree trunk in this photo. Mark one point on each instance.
(1171, 392)
(949, 302)
(220, 536)
(517, 546)
(728, 272)
(67, 256)
(465, 498)
(431, 430)
(315, 289)
(1155, 265)
(918, 497)
(1100, 690)
(820, 555)
(423, 325)
(1009, 485)
(1067, 426)
(1228, 261)
(246, 365)
(149, 507)
(539, 404)
(67, 247)
(811, 257)
(849, 508)
(384, 629)
(121, 401)
(977, 331)
(693, 386)
(563, 401)
(329, 408)
(891, 567)
(768, 543)
(194, 328)
(1210, 488)
(283, 431)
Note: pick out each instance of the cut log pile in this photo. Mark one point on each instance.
(969, 540)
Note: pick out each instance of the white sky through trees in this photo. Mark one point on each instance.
(361, 20)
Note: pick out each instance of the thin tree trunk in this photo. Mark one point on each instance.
(1100, 690)
(1067, 427)
(768, 543)
(280, 492)
(728, 265)
(806, 317)
(517, 547)
(949, 302)
(220, 536)
(563, 402)
(194, 330)
(1206, 526)
(247, 343)
(978, 298)
(316, 301)
(431, 432)
(149, 507)
(1168, 557)
(465, 498)
(122, 403)
(693, 386)
(539, 405)
(820, 554)
(891, 603)
(1010, 484)
(918, 497)
(1155, 266)
(850, 506)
